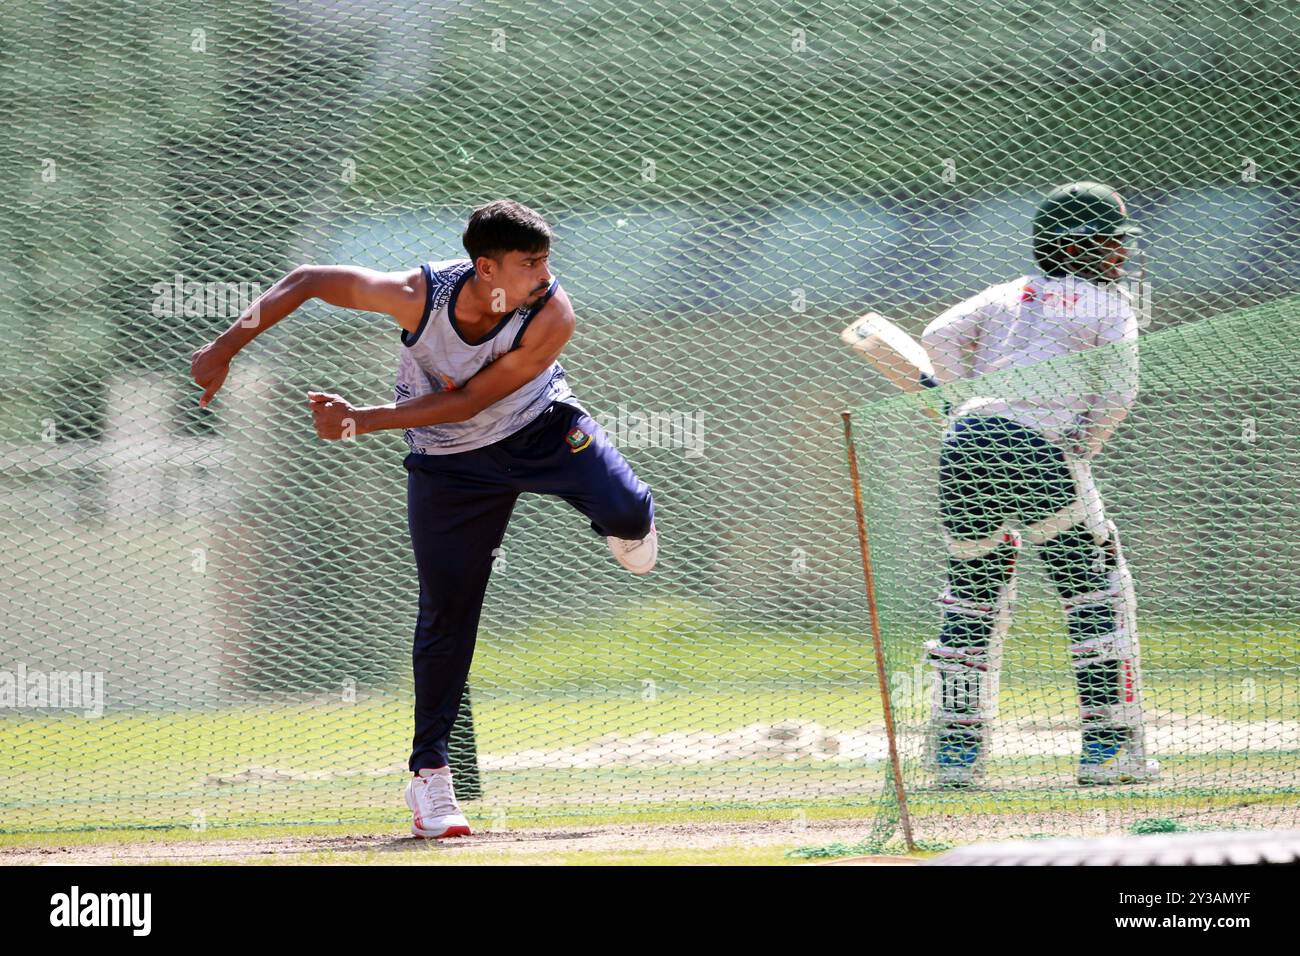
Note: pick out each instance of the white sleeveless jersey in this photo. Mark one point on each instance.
(1032, 319)
(437, 358)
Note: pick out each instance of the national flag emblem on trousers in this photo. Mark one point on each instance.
(577, 439)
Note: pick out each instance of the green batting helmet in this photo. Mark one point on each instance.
(1083, 209)
(1074, 212)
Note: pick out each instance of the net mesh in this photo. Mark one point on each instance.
(1195, 484)
(225, 604)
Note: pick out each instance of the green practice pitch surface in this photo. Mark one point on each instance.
(720, 838)
(665, 713)
(669, 756)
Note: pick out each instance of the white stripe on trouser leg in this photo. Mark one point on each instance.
(1086, 507)
(977, 548)
(1040, 532)
(1094, 512)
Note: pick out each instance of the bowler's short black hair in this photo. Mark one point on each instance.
(502, 226)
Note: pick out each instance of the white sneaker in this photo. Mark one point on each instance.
(432, 800)
(1124, 766)
(637, 555)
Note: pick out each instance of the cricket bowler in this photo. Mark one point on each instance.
(487, 415)
(1015, 470)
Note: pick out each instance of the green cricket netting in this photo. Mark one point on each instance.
(1198, 483)
(225, 604)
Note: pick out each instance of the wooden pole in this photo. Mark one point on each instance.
(899, 791)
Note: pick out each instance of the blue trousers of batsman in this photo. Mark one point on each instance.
(1003, 486)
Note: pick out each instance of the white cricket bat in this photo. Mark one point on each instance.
(894, 353)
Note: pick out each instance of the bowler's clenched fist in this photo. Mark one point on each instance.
(333, 415)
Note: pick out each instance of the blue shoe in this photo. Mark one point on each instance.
(957, 764)
(1114, 763)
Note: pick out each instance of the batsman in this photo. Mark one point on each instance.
(1015, 470)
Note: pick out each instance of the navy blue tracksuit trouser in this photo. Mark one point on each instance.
(994, 470)
(458, 507)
